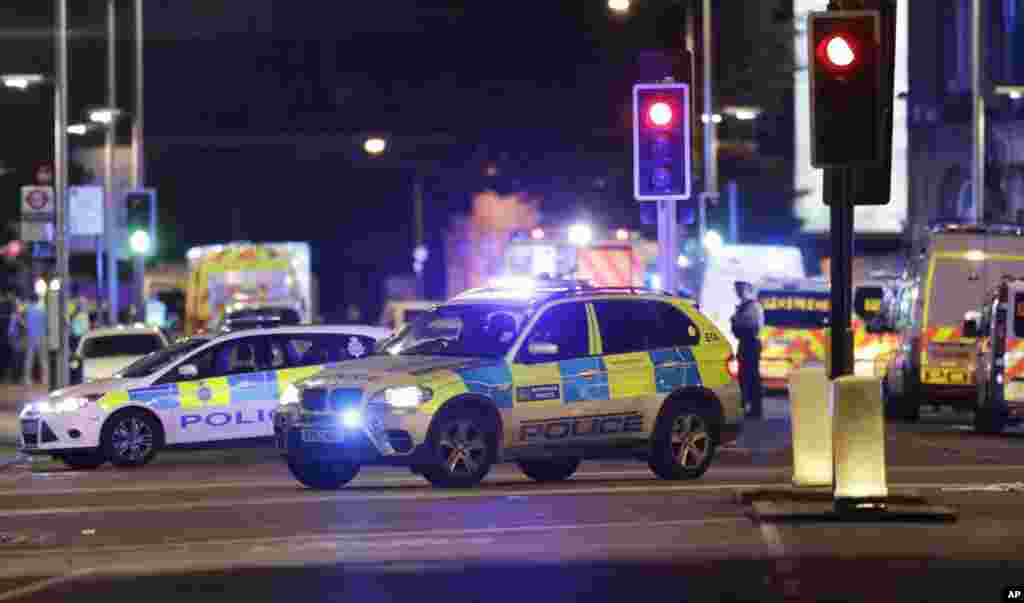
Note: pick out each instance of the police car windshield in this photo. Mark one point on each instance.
(152, 363)
(479, 330)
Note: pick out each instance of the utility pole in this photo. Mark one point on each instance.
(710, 156)
(60, 160)
(138, 177)
(111, 224)
(978, 165)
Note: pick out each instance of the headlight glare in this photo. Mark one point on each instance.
(290, 395)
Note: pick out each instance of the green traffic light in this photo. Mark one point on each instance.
(140, 242)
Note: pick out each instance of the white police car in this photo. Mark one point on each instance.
(200, 391)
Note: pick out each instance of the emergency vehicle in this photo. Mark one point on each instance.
(796, 319)
(621, 259)
(236, 276)
(872, 298)
(200, 391)
(546, 377)
(935, 362)
(999, 371)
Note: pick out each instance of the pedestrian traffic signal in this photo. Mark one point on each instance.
(848, 95)
(661, 142)
(140, 221)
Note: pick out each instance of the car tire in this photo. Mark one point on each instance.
(131, 439)
(464, 445)
(83, 461)
(550, 470)
(683, 444)
(322, 476)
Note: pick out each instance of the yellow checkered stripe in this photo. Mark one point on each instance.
(944, 375)
(800, 345)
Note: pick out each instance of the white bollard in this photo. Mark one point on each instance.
(858, 435)
(811, 427)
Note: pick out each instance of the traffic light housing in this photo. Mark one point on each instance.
(140, 221)
(661, 142)
(846, 83)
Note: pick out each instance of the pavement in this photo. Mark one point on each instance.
(213, 525)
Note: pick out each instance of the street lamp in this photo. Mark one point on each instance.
(580, 234)
(713, 241)
(619, 6)
(20, 81)
(104, 115)
(375, 145)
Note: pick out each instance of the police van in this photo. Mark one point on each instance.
(545, 377)
(999, 369)
(796, 316)
(200, 391)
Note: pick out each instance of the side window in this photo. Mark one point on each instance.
(628, 326)
(675, 329)
(236, 357)
(564, 325)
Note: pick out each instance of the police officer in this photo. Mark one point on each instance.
(746, 325)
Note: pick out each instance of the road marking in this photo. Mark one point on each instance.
(355, 497)
(359, 538)
(36, 587)
(375, 481)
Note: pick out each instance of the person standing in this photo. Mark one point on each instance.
(35, 341)
(79, 322)
(747, 323)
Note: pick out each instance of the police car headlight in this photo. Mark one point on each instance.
(290, 395)
(404, 397)
(64, 405)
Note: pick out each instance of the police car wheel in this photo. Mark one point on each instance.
(83, 461)
(130, 439)
(463, 443)
(550, 470)
(322, 476)
(683, 444)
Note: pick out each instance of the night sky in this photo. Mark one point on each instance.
(539, 88)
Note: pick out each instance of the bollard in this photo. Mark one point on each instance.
(811, 427)
(858, 439)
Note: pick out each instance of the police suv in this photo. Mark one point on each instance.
(545, 376)
(200, 391)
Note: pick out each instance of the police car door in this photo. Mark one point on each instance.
(635, 352)
(227, 398)
(555, 372)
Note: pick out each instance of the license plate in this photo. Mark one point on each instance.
(322, 436)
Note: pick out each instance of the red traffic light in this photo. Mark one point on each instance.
(838, 52)
(660, 113)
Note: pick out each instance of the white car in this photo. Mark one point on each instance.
(201, 391)
(103, 352)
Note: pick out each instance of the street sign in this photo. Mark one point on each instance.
(37, 232)
(85, 210)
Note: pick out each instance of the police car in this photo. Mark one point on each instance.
(545, 377)
(200, 391)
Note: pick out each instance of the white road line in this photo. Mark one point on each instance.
(355, 497)
(370, 481)
(361, 538)
(36, 587)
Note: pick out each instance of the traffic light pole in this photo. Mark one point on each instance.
(60, 161)
(668, 244)
(138, 160)
(110, 222)
(841, 266)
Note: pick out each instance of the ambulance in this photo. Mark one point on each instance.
(796, 319)
(872, 298)
(956, 268)
(999, 371)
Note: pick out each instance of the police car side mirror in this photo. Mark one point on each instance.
(543, 349)
(188, 371)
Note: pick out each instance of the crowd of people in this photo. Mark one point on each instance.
(25, 352)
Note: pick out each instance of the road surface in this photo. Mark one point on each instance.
(219, 524)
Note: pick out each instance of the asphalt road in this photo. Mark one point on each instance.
(213, 525)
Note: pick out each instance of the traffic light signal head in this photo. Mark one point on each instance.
(140, 221)
(661, 142)
(847, 89)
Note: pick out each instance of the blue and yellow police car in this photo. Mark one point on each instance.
(544, 376)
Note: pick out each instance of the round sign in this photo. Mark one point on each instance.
(44, 174)
(38, 200)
